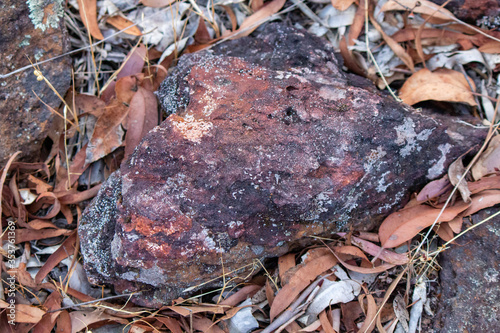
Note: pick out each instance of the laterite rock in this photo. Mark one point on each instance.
(267, 144)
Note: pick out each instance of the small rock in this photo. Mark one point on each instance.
(268, 143)
(470, 280)
(33, 29)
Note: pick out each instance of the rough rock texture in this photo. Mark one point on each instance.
(480, 12)
(33, 30)
(267, 143)
(470, 280)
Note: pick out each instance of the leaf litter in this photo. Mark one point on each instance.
(347, 282)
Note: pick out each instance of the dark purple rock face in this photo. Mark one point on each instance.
(267, 143)
(470, 280)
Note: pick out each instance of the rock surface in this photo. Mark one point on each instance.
(37, 32)
(267, 143)
(480, 12)
(470, 280)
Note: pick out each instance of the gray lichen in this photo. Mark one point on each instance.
(46, 13)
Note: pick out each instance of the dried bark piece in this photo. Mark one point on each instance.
(267, 143)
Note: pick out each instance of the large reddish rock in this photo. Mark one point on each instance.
(33, 29)
(267, 143)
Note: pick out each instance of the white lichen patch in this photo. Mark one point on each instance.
(46, 14)
(191, 128)
(382, 186)
(438, 168)
(408, 137)
(331, 93)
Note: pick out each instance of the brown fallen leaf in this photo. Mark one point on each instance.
(285, 262)
(205, 325)
(342, 4)
(370, 312)
(108, 133)
(253, 21)
(66, 249)
(80, 320)
(489, 161)
(485, 183)
(171, 323)
(48, 321)
(325, 322)
(403, 225)
(27, 235)
(441, 85)
(28, 314)
(142, 117)
(63, 323)
(492, 47)
(381, 253)
(444, 231)
(241, 295)
(120, 23)
(299, 281)
(88, 14)
(420, 7)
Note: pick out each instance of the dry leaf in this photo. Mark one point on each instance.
(205, 325)
(241, 295)
(420, 7)
(492, 47)
(28, 314)
(121, 23)
(489, 161)
(455, 173)
(253, 21)
(403, 225)
(442, 85)
(63, 323)
(299, 281)
(444, 231)
(370, 313)
(285, 262)
(398, 50)
(80, 320)
(108, 132)
(88, 14)
(142, 117)
(171, 323)
(342, 4)
(381, 253)
(434, 189)
(157, 3)
(66, 249)
(485, 183)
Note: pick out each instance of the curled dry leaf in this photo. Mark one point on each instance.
(381, 253)
(434, 189)
(370, 313)
(403, 225)
(455, 173)
(442, 85)
(285, 262)
(121, 23)
(299, 281)
(420, 7)
(66, 249)
(489, 161)
(88, 14)
(444, 231)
